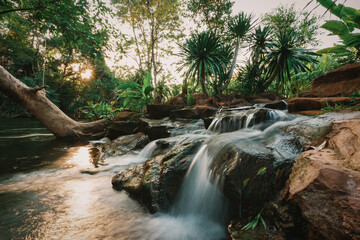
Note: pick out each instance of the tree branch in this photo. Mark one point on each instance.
(35, 89)
(43, 5)
(16, 10)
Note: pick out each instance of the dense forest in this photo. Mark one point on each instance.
(65, 44)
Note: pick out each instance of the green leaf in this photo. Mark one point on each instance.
(246, 181)
(126, 101)
(148, 90)
(336, 27)
(335, 49)
(263, 222)
(261, 171)
(129, 85)
(147, 80)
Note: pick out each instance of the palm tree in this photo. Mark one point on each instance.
(284, 56)
(202, 56)
(238, 27)
(260, 44)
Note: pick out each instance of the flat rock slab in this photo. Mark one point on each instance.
(306, 104)
(340, 82)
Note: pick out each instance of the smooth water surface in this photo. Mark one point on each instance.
(44, 195)
(49, 189)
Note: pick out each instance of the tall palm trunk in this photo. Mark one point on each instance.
(224, 86)
(203, 81)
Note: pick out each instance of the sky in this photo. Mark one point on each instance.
(257, 8)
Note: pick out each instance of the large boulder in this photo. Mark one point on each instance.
(185, 113)
(199, 98)
(118, 146)
(156, 182)
(340, 82)
(124, 123)
(280, 105)
(322, 197)
(155, 129)
(158, 111)
(178, 100)
(254, 171)
(306, 104)
(205, 111)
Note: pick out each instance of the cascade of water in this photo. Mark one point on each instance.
(199, 194)
(200, 209)
(148, 150)
(235, 121)
(249, 119)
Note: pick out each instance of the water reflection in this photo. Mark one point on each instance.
(80, 157)
(50, 198)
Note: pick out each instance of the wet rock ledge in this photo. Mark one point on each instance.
(322, 197)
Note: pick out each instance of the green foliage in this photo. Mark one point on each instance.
(213, 13)
(203, 57)
(354, 98)
(190, 100)
(353, 104)
(154, 25)
(301, 23)
(350, 18)
(260, 43)
(95, 111)
(246, 181)
(251, 78)
(136, 96)
(254, 222)
(238, 28)
(277, 52)
(164, 92)
(239, 25)
(332, 108)
(285, 57)
(41, 41)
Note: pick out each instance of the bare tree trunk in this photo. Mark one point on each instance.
(203, 82)
(37, 104)
(224, 86)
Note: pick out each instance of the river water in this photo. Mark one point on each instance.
(50, 189)
(46, 193)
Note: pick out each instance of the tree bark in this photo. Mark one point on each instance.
(203, 82)
(224, 86)
(34, 101)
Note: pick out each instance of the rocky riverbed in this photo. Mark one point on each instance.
(283, 166)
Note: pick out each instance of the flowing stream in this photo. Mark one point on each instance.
(45, 192)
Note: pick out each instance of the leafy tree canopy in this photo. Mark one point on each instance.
(302, 24)
(214, 13)
(154, 25)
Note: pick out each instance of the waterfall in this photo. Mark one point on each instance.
(200, 209)
(148, 150)
(235, 120)
(199, 194)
